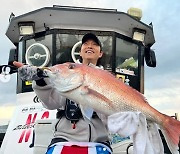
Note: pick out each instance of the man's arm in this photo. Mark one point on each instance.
(49, 96)
(42, 86)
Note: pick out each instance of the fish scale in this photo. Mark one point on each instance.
(101, 91)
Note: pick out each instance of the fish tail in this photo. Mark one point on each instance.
(171, 132)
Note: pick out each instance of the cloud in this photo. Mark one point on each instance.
(161, 83)
(162, 92)
(165, 100)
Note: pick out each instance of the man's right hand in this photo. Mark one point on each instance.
(18, 64)
(27, 72)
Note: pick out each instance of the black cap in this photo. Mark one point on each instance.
(91, 36)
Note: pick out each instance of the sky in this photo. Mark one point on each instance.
(162, 84)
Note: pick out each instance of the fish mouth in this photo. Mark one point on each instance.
(45, 68)
(50, 73)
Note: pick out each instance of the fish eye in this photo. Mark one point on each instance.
(71, 66)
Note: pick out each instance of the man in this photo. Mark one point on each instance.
(90, 49)
(77, 126)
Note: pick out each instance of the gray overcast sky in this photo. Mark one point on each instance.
(162, 84)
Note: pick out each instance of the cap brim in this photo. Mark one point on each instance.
(91, 36)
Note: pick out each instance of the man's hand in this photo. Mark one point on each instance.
(18, 64)
(27, 72)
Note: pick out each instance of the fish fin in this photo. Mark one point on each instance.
(98, 67)
(171, 132)
(87, 90)
(92, 65)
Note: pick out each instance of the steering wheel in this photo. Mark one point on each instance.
(74, 53)
(38, 55)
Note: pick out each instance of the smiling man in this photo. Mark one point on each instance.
(76, 125)
(91, 49)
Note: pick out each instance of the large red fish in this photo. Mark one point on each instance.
(100, 90)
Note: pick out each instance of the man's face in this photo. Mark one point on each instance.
(90, 50)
